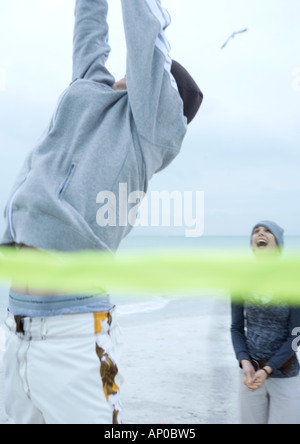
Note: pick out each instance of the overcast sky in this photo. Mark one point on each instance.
(243, 148)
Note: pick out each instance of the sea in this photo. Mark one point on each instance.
(142, 244)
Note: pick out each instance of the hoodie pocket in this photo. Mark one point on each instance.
(66, 182)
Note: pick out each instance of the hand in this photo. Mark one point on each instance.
(259, 379)
(249, 372)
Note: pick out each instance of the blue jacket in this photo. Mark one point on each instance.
(265, 332)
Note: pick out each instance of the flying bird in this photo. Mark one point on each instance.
(233, 36)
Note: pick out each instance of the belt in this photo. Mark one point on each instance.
(19, 324)
(285, 369)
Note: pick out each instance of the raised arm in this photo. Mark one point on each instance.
(153, 94)
(90, 45)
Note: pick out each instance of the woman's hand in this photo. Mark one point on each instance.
(249, 372)
(259, 379)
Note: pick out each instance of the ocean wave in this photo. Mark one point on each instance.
(148, 306)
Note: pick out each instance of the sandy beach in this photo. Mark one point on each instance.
(177, 362)
(181, 370)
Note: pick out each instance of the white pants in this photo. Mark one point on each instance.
(61, 370)
(277, 402)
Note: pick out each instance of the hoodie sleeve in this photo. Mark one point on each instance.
(154, 99)
(90, 43)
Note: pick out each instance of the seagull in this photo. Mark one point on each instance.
(233, 36)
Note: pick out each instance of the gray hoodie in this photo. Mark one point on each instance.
(99, 138)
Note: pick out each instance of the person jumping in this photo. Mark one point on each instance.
(59, 363)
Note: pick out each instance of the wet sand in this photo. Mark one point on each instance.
(179, 365)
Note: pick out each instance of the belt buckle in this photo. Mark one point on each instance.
(256, 365)
(19, 324)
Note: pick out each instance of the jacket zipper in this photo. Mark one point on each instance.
(66, 181)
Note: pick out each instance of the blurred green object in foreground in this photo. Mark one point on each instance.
(171, 272)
